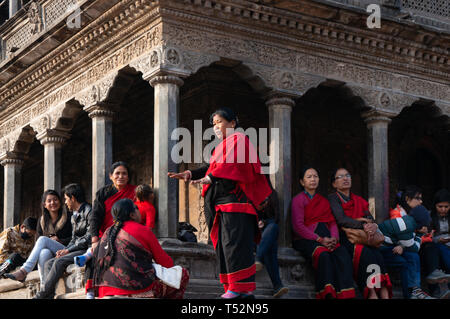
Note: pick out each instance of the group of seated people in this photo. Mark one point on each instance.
(338, 235)
(114, 239)
(341, 239)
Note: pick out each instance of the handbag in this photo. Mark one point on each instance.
(359, 236)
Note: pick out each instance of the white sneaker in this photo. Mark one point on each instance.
(438, 277)
(418, 293)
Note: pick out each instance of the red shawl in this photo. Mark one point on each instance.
(235, 158)
(127, 192)
(356, 207)
(318, 211)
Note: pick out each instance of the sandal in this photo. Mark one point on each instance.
(19, 275)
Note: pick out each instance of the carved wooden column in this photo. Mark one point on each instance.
(102, 145)
(53, 141)
(165, 121)
(12, 189)
(14, 6)
(377, 123)
(280, 108)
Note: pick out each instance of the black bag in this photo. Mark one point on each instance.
(186, 232)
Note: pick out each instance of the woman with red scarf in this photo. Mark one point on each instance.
(352, 211)
(101, 218)
(129, 257)
(316, 236)
(233, 187)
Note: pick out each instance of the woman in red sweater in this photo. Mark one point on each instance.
(124, 259)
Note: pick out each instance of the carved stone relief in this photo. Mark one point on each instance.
(382, 99)
(97, 92)
(291, 83)
(35, 17)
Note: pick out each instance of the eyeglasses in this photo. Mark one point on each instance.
(342, 176)
(418, 198)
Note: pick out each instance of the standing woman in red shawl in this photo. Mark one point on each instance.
(101, 218)
(316, 236)
(352, 211)
(232, 187)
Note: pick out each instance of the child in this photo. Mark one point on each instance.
(144, 202)
(80, 261)
(402, 243)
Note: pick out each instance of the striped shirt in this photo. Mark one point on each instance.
(401, 231)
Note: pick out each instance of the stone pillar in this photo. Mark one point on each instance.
(14, 6)
(12, 191)
(280, 109)
(53, 141)
(102, 146)
(167, 98)
(377, 124)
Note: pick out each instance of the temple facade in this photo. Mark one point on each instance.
(86, 83)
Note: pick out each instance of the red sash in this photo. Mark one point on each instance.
(127, 192)
(235, 158)
(318, 210)
(355, 207)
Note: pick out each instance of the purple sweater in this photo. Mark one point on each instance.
(301, 231)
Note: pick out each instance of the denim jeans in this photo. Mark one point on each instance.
(444, 252)
(267, 252)
(44, 249)
(409, 261)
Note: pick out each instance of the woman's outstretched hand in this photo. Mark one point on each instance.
(186, 175)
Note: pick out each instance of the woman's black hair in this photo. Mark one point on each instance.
(143, 192)
(45, 212)
(333, 176)
(302, 173)
(409, 191)
(442, 195)
(227, 113)
(121, 212)
(117, 164)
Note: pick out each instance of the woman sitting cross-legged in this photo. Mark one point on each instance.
(55, 231)
(123, 260)
(317, 237)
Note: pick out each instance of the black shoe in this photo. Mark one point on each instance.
(5, 268)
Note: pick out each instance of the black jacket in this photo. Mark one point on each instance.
(435, 223)
(98, 211)
(81, 239)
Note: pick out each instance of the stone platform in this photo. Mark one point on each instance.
(201, 262)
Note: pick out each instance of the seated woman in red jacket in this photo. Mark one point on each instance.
(352, 211)
(316, 236)
(123, 261)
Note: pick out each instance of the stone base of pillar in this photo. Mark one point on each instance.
(201, 261)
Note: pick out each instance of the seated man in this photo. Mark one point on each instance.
(402, 240)
(55, 267)
(16, 244)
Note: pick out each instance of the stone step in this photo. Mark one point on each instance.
(79, 294)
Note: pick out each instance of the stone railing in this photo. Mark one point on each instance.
(32, 20)
(431, 13)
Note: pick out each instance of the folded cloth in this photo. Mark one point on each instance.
(170, 276)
